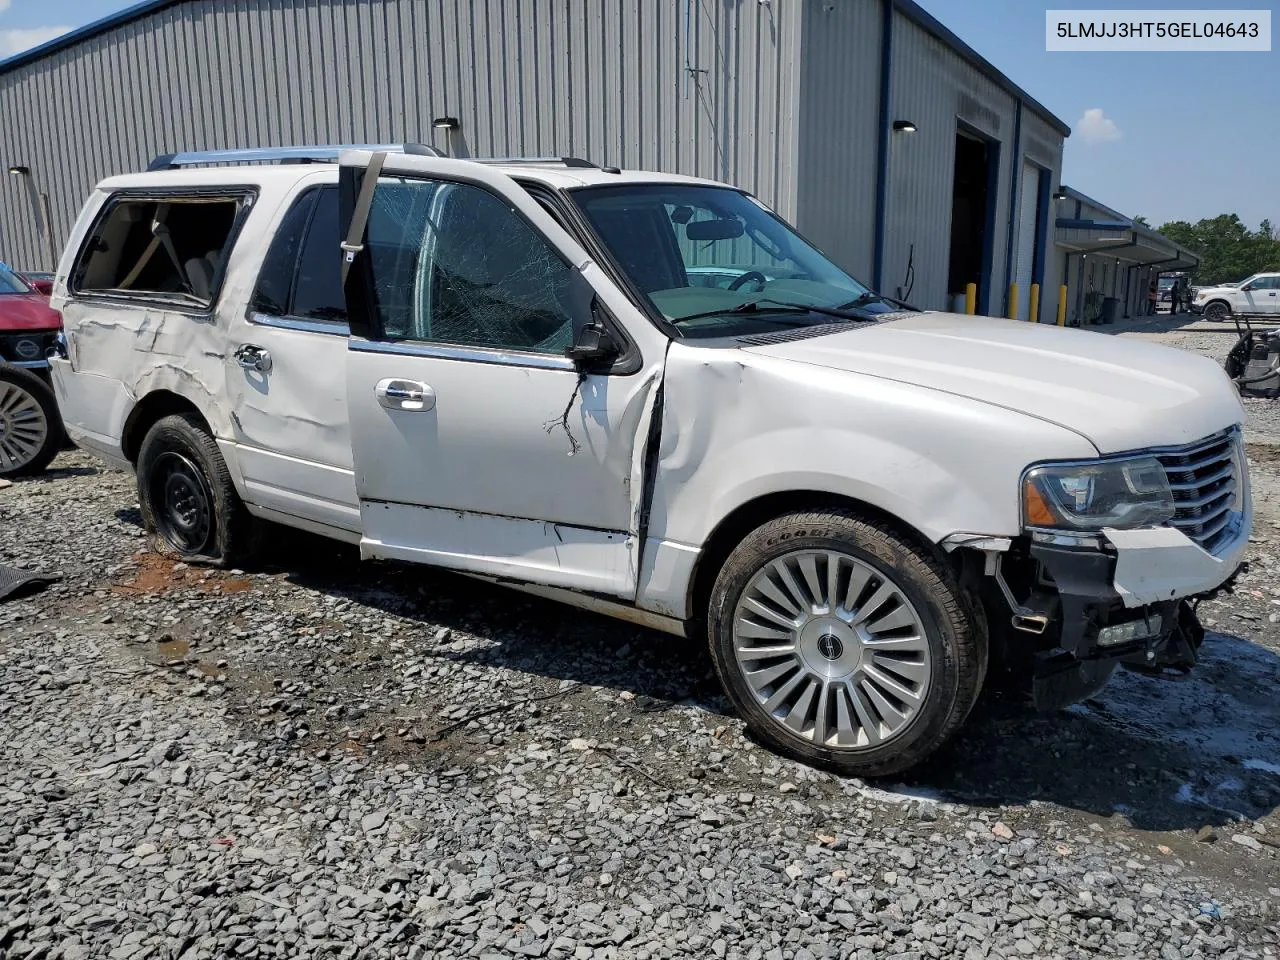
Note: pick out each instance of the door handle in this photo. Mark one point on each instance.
(410, 395)
(253, 357)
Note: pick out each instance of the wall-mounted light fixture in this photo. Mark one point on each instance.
(39, 211)
(903, 126)
(1060, 194)
(446, 123)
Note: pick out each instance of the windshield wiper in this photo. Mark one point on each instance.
(869, 298)
(778, 306)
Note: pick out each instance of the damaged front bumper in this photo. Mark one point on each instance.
(1120, 598)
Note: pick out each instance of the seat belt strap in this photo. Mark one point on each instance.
(143, 260)
(360, 215)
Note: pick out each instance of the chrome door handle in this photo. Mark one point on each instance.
(411, 395)
(253, 357)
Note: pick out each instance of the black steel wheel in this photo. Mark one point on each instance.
(186, 495)
(183, 501)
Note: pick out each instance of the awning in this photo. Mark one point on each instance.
(1119, 238)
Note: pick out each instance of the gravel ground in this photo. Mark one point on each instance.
(318, 757)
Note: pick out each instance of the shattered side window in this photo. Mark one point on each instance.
(453, 263)
(174, 249)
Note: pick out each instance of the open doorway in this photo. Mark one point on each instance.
(972, 222)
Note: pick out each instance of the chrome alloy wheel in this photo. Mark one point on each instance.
(23, 427)
(832, 649)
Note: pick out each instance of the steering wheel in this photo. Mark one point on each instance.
(749, 275)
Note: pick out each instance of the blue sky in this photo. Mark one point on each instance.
(1178, 135)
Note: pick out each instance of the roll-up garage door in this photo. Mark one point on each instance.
(1028, 211)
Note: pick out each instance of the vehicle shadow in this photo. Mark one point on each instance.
(59, 473)
(1165, 755)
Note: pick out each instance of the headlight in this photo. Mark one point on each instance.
(1201, 296)
(1090, 496)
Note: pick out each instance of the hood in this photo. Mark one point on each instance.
(1120, 394)
(1209, 291)
(27, 311)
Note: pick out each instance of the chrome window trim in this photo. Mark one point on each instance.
(26, 364)
(440, 351)
(333, 328)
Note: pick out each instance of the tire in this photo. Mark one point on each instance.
(1216, 311)
(816, 693)
(188, 501)
(30, 426)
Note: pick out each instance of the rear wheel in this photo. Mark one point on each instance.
(186, 495)
(844, 645)
(30, 427)
(1217, 311)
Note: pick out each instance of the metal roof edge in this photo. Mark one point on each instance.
(1077, 223)
(87, 32)
(1074, 194)
(923, 18)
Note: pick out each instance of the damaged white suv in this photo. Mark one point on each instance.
(646, 395)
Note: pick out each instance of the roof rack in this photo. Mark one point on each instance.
(329, 153)
(314, 154)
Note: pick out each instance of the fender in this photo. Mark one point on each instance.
(738, 425)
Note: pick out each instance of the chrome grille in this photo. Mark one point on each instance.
(1204, 477)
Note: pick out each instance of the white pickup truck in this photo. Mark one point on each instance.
(648, 396)
(1255, 296)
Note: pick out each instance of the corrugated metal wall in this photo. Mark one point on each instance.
(933, 88)
(782, 98)
(839, 124)
(602, 79)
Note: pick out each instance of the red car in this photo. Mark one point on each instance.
(40, 282)
(30, 427)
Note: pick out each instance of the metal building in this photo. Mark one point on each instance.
(888, 141)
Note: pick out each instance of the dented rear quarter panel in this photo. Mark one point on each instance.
(739, 425)
(121, 351)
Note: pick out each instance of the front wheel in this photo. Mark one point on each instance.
(1217, 312)
(844, 645)
(30, 427)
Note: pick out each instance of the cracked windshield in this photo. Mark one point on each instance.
(716, 262)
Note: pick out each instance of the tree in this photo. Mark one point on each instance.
(1142, 220)
(1230, 251)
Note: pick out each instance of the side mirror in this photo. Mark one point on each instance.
(593, 344)
(1247, 287)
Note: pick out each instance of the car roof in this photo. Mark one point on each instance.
(552, 174)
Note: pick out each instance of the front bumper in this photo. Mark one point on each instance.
(1138, 580)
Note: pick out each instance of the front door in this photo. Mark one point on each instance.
(478, 445)
(1264, 295)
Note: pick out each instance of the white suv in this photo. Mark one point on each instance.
(1258, 296)
(646, 395)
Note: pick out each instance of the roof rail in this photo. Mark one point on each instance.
(562, 161)
(314, 154)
